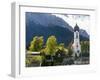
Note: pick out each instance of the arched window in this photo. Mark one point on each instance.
(78, 51)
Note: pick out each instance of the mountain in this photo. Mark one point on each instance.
(83, 33)
(46, 20)
(46, 24)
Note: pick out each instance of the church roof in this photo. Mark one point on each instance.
(76, 28)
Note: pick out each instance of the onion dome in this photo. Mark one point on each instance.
(76, 28)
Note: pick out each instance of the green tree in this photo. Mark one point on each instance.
(61, 46)
(85, 48)
(36, 44)
(61, 49)
(51, 45)
(70, 52)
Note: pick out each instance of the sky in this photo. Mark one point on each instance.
(83, 21)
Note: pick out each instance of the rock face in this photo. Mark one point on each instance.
(46, 24)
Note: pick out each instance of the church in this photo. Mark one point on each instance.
(76, 47)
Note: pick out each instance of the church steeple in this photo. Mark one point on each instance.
(77, 46)
(76, 28)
